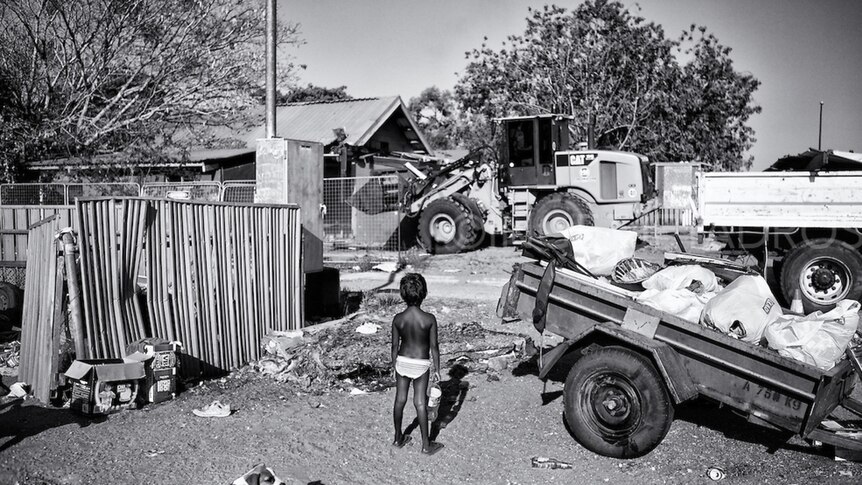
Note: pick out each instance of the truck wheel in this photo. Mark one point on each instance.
(825, 271)
(446, 227)
(558, 211)
(616, 404)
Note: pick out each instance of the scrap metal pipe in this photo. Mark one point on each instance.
(76, 317)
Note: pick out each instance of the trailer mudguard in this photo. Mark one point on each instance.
(665, 358)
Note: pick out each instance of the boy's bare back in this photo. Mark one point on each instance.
(414, 326)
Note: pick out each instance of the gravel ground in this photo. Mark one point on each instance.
(493, 428)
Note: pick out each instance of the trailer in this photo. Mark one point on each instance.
(629, 366)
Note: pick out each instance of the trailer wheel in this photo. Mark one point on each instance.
(446, 227)
(616, 404)
(826, 271)
(558, 211)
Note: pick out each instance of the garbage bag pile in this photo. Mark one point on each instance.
(348, 356)
(744, 309)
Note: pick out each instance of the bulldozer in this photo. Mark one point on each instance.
(539, 187)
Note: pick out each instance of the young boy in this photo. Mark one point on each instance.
(414, 340)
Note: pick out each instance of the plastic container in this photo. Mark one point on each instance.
(434, 395)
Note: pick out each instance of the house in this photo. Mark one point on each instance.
(347, 129)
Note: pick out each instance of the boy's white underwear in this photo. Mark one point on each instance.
(410, 367)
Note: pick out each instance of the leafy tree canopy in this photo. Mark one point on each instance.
(98, 76)
(304, 94)
(674, 100)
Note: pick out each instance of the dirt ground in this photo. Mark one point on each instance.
(493, 423)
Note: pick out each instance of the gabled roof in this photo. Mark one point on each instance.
(317, 121)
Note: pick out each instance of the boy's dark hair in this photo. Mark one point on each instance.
(413, 288)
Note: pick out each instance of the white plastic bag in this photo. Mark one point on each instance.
(743, 309)
(679, 277)
(818, 339)
(680, 302)
(599, 249)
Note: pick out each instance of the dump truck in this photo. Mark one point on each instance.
(538, 187)
(805, 212)
(629, 366)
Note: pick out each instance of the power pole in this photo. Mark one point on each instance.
(270, 68)
(820, 128)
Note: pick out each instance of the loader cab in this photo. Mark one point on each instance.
(527, 149)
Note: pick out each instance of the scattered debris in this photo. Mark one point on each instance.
(19, 390)
(368, 328)
(387, 267)
(10, 356)
(260, 474)
(154, 453)
(715, 474)
(545, 462)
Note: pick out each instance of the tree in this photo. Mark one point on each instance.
(98, 76)
(617, 72)
(447, 125)
(303, 94)
(436, 112)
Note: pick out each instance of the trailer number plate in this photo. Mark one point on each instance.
(771, 394)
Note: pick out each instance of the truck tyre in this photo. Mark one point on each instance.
(558, 211)
(616, 404)
(476, 215)
(446, 227)
(825, 271)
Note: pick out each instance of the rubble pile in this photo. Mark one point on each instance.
(338, 357)
(10, 356)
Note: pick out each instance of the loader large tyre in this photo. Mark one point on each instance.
(476, 215)
(616, 403)
(556, 212)
(447, 227)
(825, 271)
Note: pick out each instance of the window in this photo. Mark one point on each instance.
(521, 143)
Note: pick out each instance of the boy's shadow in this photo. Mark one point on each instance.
(454, 393)
(23, 421)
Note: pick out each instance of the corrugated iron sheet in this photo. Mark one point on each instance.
(359, 118)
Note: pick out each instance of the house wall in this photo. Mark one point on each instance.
(392, 135)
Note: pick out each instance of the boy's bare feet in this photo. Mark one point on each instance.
(402, 442)
(432, 448)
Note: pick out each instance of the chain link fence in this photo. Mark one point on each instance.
(362, 223)
(208, 191)
(363, 219)
(62, 194)
(240, 191)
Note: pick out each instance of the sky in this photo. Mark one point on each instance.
(804, 52)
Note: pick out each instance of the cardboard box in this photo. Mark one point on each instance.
(103, 386)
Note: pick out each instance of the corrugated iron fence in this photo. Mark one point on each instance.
(218, 276)
(43, 311)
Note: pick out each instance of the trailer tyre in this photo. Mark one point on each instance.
(616, 404)
(447, 227)
(556, 212)
(826, 271)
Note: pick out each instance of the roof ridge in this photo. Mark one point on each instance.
(336, 101)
